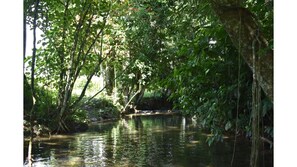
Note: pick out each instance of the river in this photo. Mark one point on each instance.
(142, 141)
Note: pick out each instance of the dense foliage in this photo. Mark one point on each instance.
(179, 49)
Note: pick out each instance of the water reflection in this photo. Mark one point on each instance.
(141, 141)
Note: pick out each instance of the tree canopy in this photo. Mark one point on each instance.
(201, 55)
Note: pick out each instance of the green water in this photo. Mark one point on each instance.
(142, 141)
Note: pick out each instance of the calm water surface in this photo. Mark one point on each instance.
(142, 141)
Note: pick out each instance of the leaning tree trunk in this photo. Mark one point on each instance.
(241, 25)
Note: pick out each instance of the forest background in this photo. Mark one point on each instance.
(12, 82)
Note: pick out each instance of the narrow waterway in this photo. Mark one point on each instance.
(142, 141)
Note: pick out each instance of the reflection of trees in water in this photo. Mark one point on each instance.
(142, 145)
(143, 141)
(138, 123)
(94, 150)
(126, 142)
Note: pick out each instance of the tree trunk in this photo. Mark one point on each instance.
(139, 96)
(62, 56)
(34, 47)
(83, 92)
(24, 35)
(256, 109)
(244, 31)
(130, 100)
(242, 27)
(115, 89)
(109, 79)
(32, 82)
(76, 62)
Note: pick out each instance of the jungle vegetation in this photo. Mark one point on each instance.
(213, 59)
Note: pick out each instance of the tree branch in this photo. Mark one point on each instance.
(266, 140)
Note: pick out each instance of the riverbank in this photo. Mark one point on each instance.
(153, 112)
